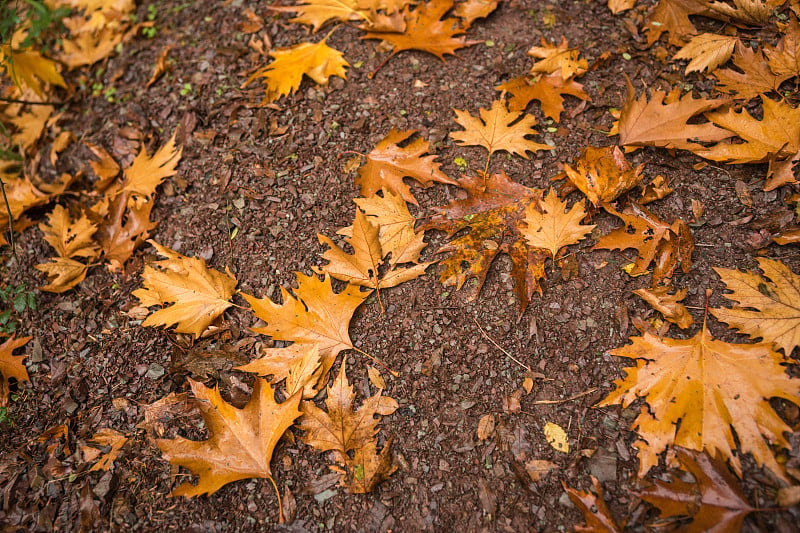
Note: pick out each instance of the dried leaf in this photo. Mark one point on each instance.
(486, 426)
(603, 174)
(537, 469)
(707, 51)
(667, 304)
(317, 13)
(105, 437)
(784, 59)
(556, 437)
(549, 90)
(70, 240)
(11, 366)
(471, 10)
(160, 68)
(594, 509)
(395, 227)
(754, 79)
(561, 59)
(553, 227)
(29, 68)
(299, 364)
(673, 16)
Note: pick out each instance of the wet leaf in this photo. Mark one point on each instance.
(11, 366)
(70, 239)
(668, 304)
(549, 90)
(707, 51)
(556, 437)
(603, 174)
(594, 509)
(554, 227)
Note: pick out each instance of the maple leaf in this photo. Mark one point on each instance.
(313, 315)
(715, 501)
(603, 174)
(31, 126)
(673, 16)
(343, 430)
(755, 77)
(707, 51)
(552, 228)
(594, 509)
(668, 304)
(363, 265)
(777, 133)
(142, 178)
(105, 437)
(654, 240)
(498, 129)
(122, 226)
(699, 391)
(471, 10)
(89, 48)
(299, 364)
(11, 366)
(317, 13)
(750, 12)
(618, 6)
(664, 122)
(242, 440)
(426, 32)
(767, 308)
(493, 212)
(395, 227)
(70, 239)
(388, 163)
(784, 59)
(318, 61)
(106, 168)
(30, 69)
(559, 58)
(548, 90)
(198, 294)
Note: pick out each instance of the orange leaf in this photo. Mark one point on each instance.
(11, 366)
(242, 440)
(471, 10)
(755, 77)
(594, 509)
(559, 58)
(784, 59)
(673, 16)
(553, 228)
(667, 304)
(707, 51)
(603, 174)
(548, 90)
(70, 239)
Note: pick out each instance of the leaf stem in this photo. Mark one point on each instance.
(10, 222)
(377, 361)
(280, 505)
(526, 367)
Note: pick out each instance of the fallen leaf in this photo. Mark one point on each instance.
(767, 307)
(699, 391)
(106, 167)
(122, 226)
(60, 143)
(395, 227)
(554, 227)
(655, 190)
(11, 366)
(549, 90)
(70, 239)
(299, 364)
(471, 10)
(241, 442)
(142, 178)
(29, 68)
(561, 59)
(668, 304)
(618, 6)
(160, 68)
(672, 16)
(316, 13)
(498, 129)
(159, 414)
(388, 163)
(784, 59)
(493, 211)
(556, 437)
(318, 61)
(752, 78)
(376, 378)
(486, 426)
(31, 126)
(197, 294)
(603, 174)
(748, 12)
(105, 438)
(537, 469)
(707, 51)
(714, 501)
(594, 509)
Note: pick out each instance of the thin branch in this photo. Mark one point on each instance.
(526, 367)
(571, 398)
(31, 102)
(10, 222)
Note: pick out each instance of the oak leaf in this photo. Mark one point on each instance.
(388, 163)
(241, 443)
(471, 10)
(767, 307)
(778, 133)
(784, 59)
(343, 430)
(714, 501)
(553, 228)
(664, 122)
(673, 16)
(11, 366)
(603, 174)
(197, 294)
(105, 438)
(561, 59)
(70, 239)
(395, 227)
(707, 51)
(498, 129)
(313, 315)
(30, 69)
(754, 79)
(425, 31)
(549, 90)
(595, 512)
(493, 212)
(299, 364)
(655, 240)
(700, 391)
(668, 304)
(318, 61)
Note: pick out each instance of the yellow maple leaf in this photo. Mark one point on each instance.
(70, 239)
(197, 294)
(552, 228)
(699, 391)
(31, 125)
(11, 366)
(395, 227)
(561, 59)
(299, 364)
(30, 69)
(318, 61)
(146, 173)
(603, 174)
(242, 440)
(317, 13)
(707, 51)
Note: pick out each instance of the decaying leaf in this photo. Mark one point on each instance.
(666, 244)
(784, 59)
(11, 366)
(498, 129)
(767, 307)
(197, 294)
(318, 61)
(618, 6)
(105, 437)
(603, 174)
(594, 509)
(537, 469)
(668, 304)
(553, 227)
(241, 442)
(343, 430)
(556, 437)
(753, 77)
(714, 501)
(493, 211)
(122, 226)
(707, 51)
(699, 391)
(395, 227)
(96, 28)
(70, 239)
(486, 426)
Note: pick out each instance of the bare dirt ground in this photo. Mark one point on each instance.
(93, 366)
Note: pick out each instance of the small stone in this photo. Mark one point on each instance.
(155, 371)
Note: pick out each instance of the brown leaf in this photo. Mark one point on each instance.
(11, 366)
(754, 79)
(715, 501)
(122, 226)
(160, 413)
(486, 426)
(713, 388)
(784, 59)
(106, 168)
(471, 10)
(561, 59)
(707, 51)
(664, 123)
(594, 509)
(655, 190)
(618, 6)
(767, 307)
(105, 438)
(667, 304)
(160, 68)
(395, 227)
(537, 469)
(549, 90)
(198, 294)
(603, 174)
(388, 163)
(498, 129)
(673, 16)
(241, 442)
(317, 13)
(493, 212)
(553, 227)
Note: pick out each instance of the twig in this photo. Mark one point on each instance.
(10, 222)
(377, 361)
(230, 235)
(526, 367)
(30, 102)
(555, 402)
